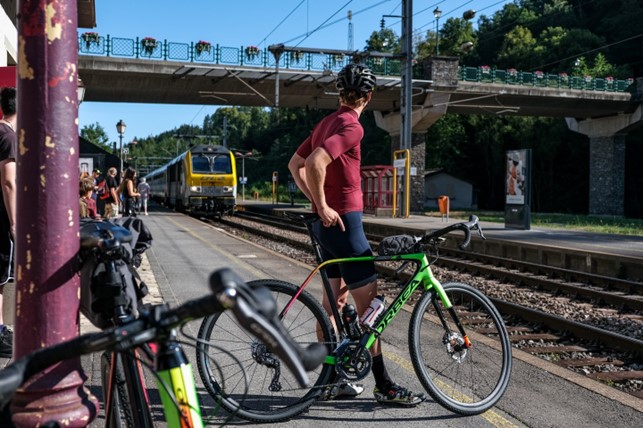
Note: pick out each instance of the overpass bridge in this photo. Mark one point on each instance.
(151, 71)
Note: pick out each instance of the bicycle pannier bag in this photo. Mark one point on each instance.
(98, 299)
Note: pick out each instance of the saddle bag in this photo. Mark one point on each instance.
(397, 244)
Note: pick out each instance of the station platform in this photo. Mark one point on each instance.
(603, 254)
(185, 251)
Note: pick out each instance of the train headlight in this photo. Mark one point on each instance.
(227, 189)
(195, 189)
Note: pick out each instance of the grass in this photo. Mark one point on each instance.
(597, 224)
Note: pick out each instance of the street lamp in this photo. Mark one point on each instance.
(120, 128)
(437, 13)
(80, 91)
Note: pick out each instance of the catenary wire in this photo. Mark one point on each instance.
(308, 33)
(281, 22)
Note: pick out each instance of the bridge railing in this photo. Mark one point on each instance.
(485, 74)
(206, 53)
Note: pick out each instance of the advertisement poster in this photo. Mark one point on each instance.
(85, 166)
(516, 181)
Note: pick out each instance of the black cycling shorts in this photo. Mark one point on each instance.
(350, 243)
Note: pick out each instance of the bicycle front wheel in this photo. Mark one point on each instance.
(246, 379)
(464, 380)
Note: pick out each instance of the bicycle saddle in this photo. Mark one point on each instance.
(306, 218)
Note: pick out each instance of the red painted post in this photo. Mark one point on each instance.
(47, 288)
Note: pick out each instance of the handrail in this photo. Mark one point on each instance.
(252, 56)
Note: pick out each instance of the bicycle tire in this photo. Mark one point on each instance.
(224, 379)
(465, 384)
(120, 410)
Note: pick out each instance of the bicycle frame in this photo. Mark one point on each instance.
(175, 373)
(422, 276)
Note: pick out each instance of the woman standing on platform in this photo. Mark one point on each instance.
(128, 190)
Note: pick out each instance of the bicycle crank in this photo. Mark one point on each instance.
(353, 364)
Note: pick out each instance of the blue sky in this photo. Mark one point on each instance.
(243, 23)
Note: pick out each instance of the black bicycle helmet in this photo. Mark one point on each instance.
(356, 77)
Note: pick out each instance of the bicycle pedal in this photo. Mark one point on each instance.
(329, 393)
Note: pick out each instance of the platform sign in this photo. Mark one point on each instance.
(518, 189)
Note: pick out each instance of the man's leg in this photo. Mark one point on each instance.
(340, 291)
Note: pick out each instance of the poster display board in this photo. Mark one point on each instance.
(518, 189)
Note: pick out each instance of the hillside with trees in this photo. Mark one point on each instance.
(598, 38)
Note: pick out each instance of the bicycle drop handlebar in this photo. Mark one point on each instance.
(254, 309)
(465, 227)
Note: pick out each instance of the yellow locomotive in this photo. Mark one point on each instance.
(202, 180)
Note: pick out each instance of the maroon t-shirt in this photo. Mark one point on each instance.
(340, 134)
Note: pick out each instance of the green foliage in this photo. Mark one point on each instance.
(384, 40)
(95, 134)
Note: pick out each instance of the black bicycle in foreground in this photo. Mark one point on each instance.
(254, 309)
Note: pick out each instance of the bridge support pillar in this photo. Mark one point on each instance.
(443, 72)
(607, 159)
(418, 160)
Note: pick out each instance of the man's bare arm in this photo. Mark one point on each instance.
(315, 167)
(8, 183)
(296, 168)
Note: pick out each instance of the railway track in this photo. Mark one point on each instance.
(588, 342)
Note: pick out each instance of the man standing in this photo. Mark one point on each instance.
(326, 167)
(8, 144)
(111, 203)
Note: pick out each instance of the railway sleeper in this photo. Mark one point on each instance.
(582, 362)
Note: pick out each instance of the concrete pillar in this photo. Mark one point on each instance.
(607, 158)
(47, 284)
(428, 108)
(418, 161)
(607, 175)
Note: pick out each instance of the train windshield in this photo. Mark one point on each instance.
(209, 164)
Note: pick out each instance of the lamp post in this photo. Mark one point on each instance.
(120, 128)
(437, 13)
(80, 91)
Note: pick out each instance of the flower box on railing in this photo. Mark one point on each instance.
(90, 38)
(337, 59)
(296, 57)
(202, 46)
(252, 52)
(149, 44)
(486, 74)
(512, 76)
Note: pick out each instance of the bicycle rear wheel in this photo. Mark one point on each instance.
(465, 381)
(252, 383)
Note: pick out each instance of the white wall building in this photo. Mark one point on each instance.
(438, 183)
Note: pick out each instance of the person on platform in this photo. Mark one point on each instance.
(326, 167)
(8, 147)
(145, 191)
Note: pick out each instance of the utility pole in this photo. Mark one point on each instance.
(407, 74)
(225, 132)
(350, 30)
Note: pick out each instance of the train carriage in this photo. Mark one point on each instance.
(203, 180)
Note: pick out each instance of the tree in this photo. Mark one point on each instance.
(95, 134)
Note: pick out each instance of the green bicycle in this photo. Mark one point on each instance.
(458, 342)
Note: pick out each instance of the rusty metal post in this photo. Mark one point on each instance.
(47, 289)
